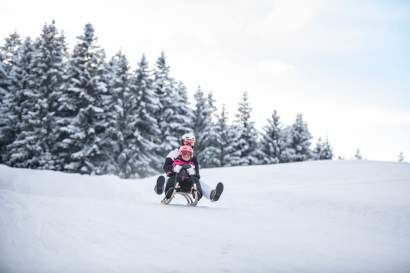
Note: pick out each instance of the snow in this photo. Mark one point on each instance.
(321, 216)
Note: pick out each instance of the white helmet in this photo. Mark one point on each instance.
(188, 139)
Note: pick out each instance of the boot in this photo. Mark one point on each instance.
(159, 187)
(216, 193)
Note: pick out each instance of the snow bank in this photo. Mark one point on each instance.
(331, 216)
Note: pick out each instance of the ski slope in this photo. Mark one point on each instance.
(329, 216)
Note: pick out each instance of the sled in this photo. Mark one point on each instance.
(190, 197)
(188, 191)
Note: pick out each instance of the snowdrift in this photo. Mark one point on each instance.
(330, 216)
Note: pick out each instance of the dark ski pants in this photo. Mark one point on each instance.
(171, 184)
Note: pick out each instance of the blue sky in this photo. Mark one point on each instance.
(344, 64)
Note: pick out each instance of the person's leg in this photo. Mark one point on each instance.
(206, 190)
(170, 185)
(198, 187)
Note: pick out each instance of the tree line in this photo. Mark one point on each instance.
(80, 112)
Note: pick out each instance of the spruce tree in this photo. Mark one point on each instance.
(146, 133)
(297, 146)
(226, 138)
(184, 113)
(85, 87)
(358, 155)
(287, 152)
(401, 157)
(248, 136)
(24, 111)
(8, 58)
(323, 150)
(116, 104)
(6, 136)
(8, 51)
(210, 152)
(271, 140)
(202, 125)
(48, 69)
(168, 120)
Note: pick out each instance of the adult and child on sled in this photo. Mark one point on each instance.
(182, 169)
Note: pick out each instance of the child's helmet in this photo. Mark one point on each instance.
(188, 139)
(185, 150)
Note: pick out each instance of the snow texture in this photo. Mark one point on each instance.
(319, 216)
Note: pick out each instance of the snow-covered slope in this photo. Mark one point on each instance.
(334, 216)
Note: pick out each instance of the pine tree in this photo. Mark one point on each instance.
(116, 104)
(5, 136)
(401, 157)
(5, 139)
(248, 136)
(167, 118)
(271, 140)
(209, 155)
(24, 110)
(9, 50)
(8, 57)
(145, 129)
(85, 87)
(48, 69)
(297, 144)
(287, 153)
(323, 150)
(226, 137)
(358, 155)
(202, 123)
(184, 113)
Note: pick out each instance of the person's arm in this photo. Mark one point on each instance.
(169, 160)
(168, 167)
(195, 161)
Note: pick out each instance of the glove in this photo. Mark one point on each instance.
(191, 171)
(177, 168)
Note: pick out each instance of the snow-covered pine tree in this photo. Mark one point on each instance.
(8, 51)
(248, 136)
(318, 149)
(226, 138)
(210, 155)
(145, 135)
(5, 138)
(117, 106)
(287, 153)
(8, 55)
(401, 157)
(358, 155)
(24, 110)
(298, 141)
(185, 113)
(202, 124)
(85, 87)
(323, 150)
(48, 68)
(67, 109)
(167, 116)
(271, 140)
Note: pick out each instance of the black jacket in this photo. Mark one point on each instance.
(169, 167)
